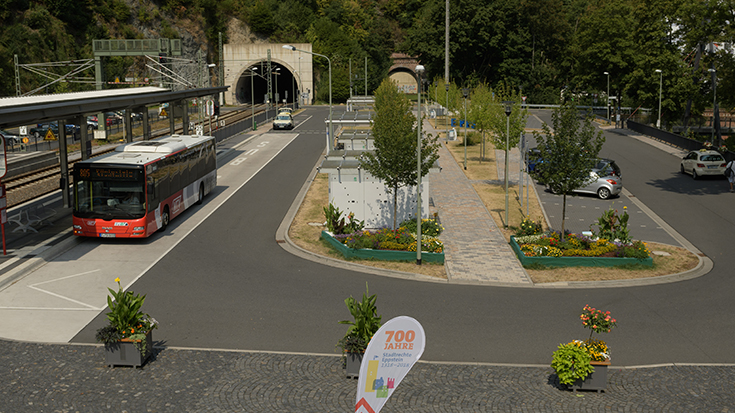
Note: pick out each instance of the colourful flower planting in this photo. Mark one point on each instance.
(575, 245)
(400, 239)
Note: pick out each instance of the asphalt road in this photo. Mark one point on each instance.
(229, 285)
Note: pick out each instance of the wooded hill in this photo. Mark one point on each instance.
(540, 46)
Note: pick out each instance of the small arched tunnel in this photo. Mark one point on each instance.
(406, 79)
(283, 84)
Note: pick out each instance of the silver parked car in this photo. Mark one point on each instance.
(604, 180)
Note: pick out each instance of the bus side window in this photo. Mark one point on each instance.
(151, 189)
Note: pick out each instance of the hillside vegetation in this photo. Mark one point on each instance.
(538, 46)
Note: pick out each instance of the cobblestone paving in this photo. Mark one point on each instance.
(474, 247)
(73, 378)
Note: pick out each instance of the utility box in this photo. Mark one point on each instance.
(352, 189)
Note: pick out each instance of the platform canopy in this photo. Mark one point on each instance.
(26, 110)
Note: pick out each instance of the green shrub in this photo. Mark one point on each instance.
(528, 227)
(365, 323)
(337, 225)
(613, 227)
(572, 362)
(429, 227)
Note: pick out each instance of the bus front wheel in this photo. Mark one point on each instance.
(165, 217)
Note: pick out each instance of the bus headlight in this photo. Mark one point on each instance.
(77, 227)
(138, 228)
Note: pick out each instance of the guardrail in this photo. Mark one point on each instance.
(672, 138)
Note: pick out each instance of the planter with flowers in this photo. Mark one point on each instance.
(128, 337)
(609, 246)
(366, 322)
(352, 241)
(582, 365)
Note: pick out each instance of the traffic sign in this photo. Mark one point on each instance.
(49, 135)
(210, 107)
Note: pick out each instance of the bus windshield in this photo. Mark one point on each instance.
(110, 199)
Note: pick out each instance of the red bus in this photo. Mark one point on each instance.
(136, 190)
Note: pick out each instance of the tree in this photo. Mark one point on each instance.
(482, 101)
(568, 151)
(394, 159)
(498, 119)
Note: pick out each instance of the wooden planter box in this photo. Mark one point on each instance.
(382, 255)
(126, 353)
(595, 381)
(352, 367)
(576, 261)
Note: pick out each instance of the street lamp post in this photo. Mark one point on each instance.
(446, 109)
(508, 110)
(252, 97)
(331, 130)
(419, 72)
(465, 93)
(660, 86)
(607, 98)
(714, 103)
(276, 72)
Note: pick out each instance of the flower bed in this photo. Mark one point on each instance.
(578, 251)
(357, 246)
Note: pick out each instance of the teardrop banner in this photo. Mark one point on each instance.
(391, 353)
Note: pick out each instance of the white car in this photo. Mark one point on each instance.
(285, 110)
(703, 162)
(283, 121)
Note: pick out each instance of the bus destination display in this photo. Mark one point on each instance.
(109, 173)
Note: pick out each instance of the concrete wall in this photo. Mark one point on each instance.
(239, 57)
(356, 191)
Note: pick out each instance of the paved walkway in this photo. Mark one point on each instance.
(71, 378)
(475, 249)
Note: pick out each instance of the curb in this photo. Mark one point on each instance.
(288, 245)
(704, 266)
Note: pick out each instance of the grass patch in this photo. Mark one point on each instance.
(484, 168)
(678, 260)
(307, 226)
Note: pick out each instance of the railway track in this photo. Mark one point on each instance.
(43, 181)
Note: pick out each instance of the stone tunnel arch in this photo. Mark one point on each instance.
(295, 68)
(284, 82)
(406, 79)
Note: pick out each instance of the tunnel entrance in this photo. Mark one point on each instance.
(283, 85)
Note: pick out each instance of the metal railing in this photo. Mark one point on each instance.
(672, 138)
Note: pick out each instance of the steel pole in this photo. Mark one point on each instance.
(507, 138)
(252, 100)
(660, 92)
(465, 133)
(418, 183)
(607, 105)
